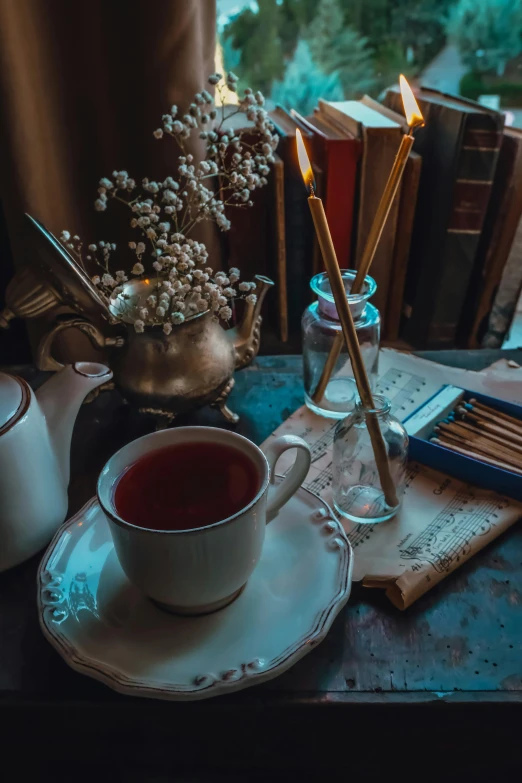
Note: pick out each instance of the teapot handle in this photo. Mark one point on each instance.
(44, 358)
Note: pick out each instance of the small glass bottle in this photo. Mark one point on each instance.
(357, 491)
(320, 326)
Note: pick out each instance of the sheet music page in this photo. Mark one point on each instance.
(443, 521)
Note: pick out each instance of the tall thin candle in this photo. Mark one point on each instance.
(414, 119)
(336, 283)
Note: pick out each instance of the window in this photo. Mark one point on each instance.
(296, 51)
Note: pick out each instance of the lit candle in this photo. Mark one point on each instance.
(345, 316)
(414, 119)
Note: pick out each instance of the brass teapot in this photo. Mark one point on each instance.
(167, 375)
(164, 375)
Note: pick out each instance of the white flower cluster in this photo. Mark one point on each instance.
(182, 289)
(243, 164)
(122, 181)
(164, 213)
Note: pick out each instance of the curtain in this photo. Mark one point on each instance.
(83, 83)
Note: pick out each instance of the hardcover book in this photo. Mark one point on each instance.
(298, 225)
(507, 297)
(459, 145)
(500, 227)
(380, 137)
(337, 153)
(404, 231)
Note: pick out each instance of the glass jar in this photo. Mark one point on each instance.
(357, 490)
(321, 325)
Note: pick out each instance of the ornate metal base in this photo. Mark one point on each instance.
(163, 419)
(220, 403)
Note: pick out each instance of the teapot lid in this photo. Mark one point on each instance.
(59, 269)
(10, 398)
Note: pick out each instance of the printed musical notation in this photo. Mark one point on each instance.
(321, 481)
(359, 534)
(323, 444)
(403, 389)
(447, 539)
(443, 522)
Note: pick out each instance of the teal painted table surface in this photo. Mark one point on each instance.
(439, 684)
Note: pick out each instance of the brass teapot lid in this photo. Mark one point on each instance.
(62, 272)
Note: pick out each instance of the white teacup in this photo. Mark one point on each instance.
(203, 569)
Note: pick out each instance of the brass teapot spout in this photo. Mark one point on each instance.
(245, 336)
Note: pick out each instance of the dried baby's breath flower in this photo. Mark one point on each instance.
(165, 213)
(225, 313)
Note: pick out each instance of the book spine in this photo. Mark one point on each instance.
(401, 252)
(299, 237)
(507, 296)
(280, 248)
(379, 154)
(500, 225)
(340, 195)
(472, 189)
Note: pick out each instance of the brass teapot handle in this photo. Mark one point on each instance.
(44, 358)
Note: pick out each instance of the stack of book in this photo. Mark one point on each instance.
(449, 262)
(353, 145)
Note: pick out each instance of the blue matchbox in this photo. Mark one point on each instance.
(420, 425)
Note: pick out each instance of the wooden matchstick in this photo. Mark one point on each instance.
(468, 430)
(482, 446)
(474, 436)
(512, 425)
(466, 453)
(490, 427)
(498, 414)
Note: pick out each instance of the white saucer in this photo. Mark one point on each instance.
(105, 628)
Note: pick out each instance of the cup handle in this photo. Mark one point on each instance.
(294, 478)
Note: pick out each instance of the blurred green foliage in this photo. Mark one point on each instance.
(339, 48)
(258, 39)
(304, 83)
(365, 43)
(488, 33)
(473, 84)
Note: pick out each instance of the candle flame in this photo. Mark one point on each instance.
(413, 114)
(304, 161)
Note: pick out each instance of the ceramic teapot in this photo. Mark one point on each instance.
(35, 441)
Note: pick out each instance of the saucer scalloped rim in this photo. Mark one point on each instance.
(104, 628)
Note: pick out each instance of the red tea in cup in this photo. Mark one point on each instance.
(186, 486)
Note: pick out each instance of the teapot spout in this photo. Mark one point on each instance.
(246, 335)
(60, 399)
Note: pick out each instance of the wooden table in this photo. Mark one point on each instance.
(436, 689)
